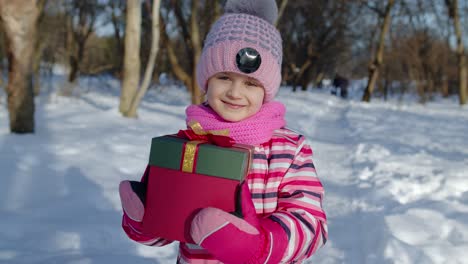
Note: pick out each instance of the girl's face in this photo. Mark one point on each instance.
(234, 96)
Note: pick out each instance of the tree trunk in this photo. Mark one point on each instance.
(80, 25)
(462, 68)
(19, 19)
(178, 70)
(132, 112)
(37, 67)
(117, 36)
(375, 66)
(445, 86)
(191, 35)
(75, 58)
(299, 78)
(197, 97)
(385, 88)
(39, 45)
(131, 70)
(71, 49)
(73, 68)
(282, 7)
(318, 79)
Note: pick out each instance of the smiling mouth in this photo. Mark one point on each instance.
(233, 106)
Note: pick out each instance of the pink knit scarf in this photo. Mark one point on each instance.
(254, 130)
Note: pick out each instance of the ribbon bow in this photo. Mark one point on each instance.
(217, 137)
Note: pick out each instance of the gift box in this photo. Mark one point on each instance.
(188, 174)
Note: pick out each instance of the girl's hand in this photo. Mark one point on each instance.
(239, 239)
(132, 197)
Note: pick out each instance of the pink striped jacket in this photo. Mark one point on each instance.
(284, 187)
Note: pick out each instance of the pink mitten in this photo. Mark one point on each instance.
(239, 240)
(132, 197)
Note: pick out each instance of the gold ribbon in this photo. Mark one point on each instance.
(190, 151)
(198, 129)
(191, 147)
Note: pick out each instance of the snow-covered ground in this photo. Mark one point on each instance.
(395, 174)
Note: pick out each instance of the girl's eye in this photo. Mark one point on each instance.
(248, 83)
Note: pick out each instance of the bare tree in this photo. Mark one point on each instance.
(39, 46)
(452, 6)
(131, 70)
(196, 47)
(132, 111)
(116, 8)
(192, 27)
(378, 60)
(281, 9)
(314, 39)
(417, 56)
(19, 19)
(82, 15)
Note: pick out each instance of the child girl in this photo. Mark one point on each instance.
(282, 219)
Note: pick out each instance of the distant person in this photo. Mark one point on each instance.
(281, 198)
(340, 84)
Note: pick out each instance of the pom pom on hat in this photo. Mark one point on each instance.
(266, 9)
(246, 25)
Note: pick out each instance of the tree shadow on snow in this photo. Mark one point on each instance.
(51, 214)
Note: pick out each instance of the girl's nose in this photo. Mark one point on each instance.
(234, 90)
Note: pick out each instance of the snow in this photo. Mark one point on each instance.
(394, 174)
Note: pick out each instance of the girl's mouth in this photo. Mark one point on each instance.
(233, 106)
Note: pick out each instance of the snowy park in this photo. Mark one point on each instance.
(394, 174)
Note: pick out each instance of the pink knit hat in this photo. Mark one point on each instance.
(244, 41)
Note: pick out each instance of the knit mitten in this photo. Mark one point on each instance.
(132, 197)
(244, 239)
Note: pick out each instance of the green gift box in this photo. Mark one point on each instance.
(200, 157)
(185, 176)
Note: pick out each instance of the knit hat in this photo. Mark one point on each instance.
(245, 41)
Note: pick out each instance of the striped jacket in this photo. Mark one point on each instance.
(284, 187)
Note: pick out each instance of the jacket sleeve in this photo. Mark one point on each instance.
(299, 210)
(134, 229)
